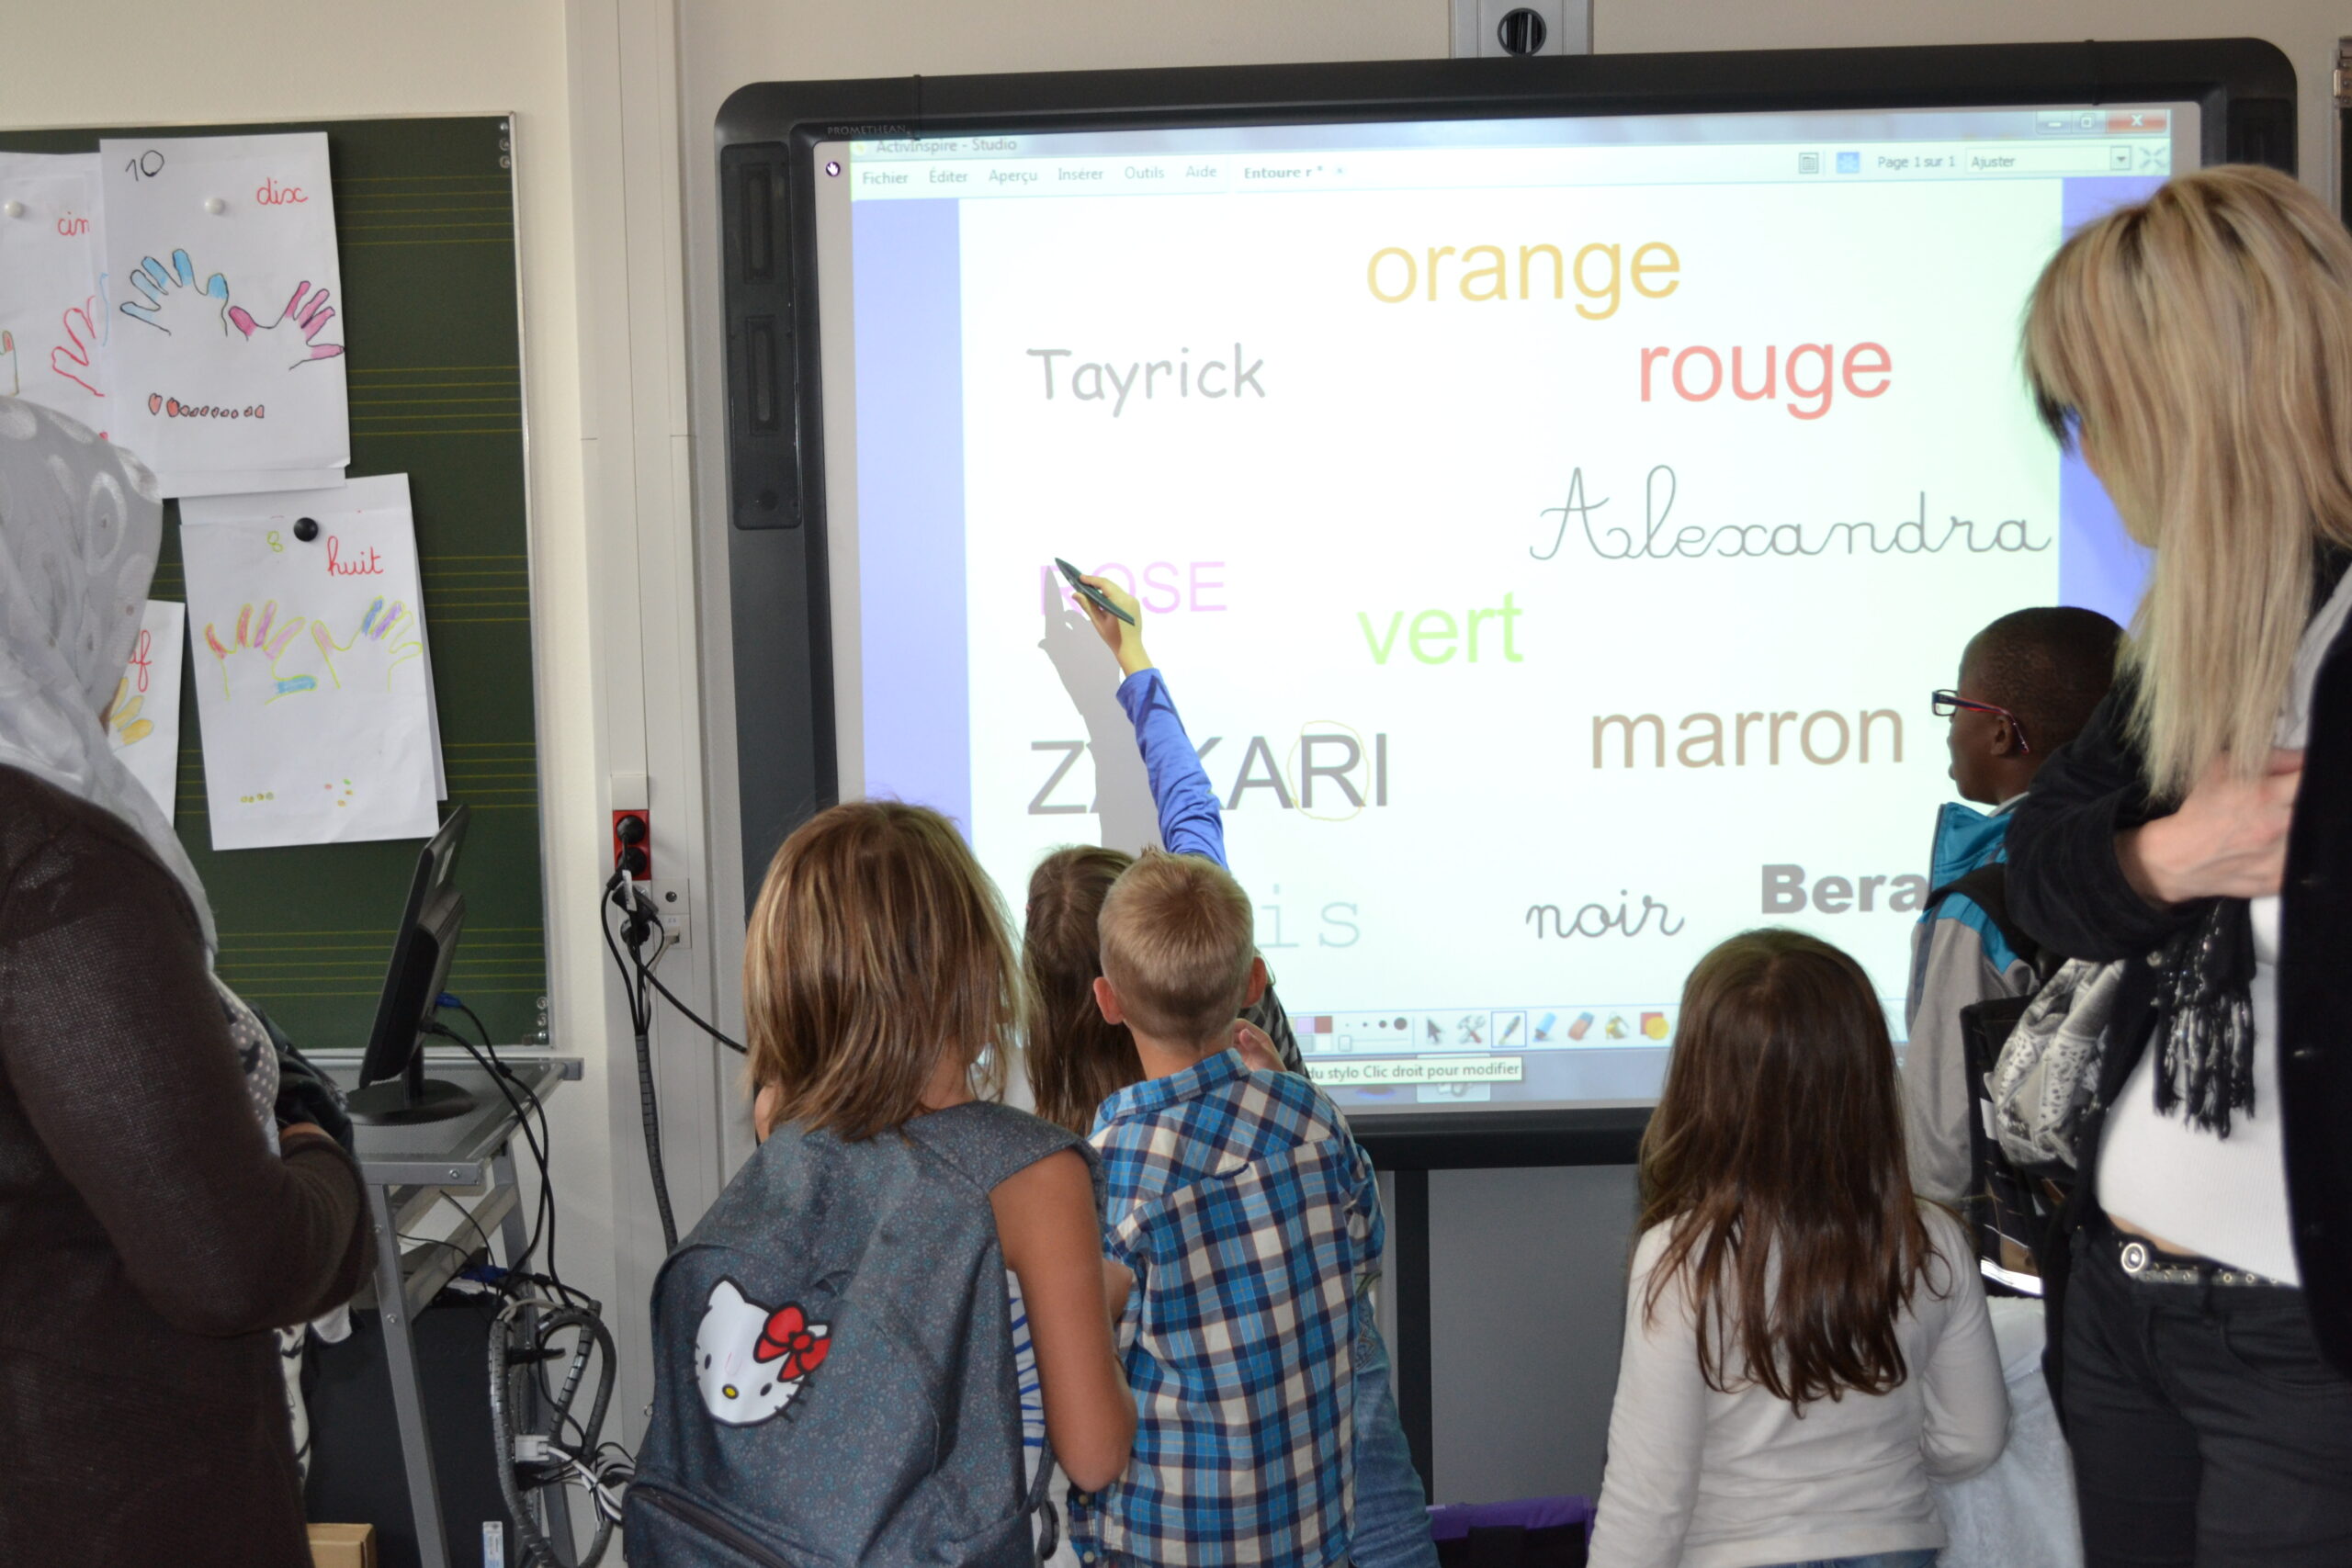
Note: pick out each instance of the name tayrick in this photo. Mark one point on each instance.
(1180, 378)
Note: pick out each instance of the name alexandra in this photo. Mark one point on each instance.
(1660, 539)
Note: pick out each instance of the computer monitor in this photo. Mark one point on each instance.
(392, 1085)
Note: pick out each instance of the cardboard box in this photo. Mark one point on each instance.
(343, 1546)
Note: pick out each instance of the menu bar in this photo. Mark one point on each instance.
(964, 176)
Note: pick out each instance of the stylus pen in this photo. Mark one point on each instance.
(1093, 594)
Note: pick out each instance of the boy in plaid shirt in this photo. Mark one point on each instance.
(1250, 1223)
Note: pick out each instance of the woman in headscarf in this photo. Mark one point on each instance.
(156, 1223)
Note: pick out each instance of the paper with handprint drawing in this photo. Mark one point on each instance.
(52, 294)
(225, 319)
(314, 682)
(143, 720)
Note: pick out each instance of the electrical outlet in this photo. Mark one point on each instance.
(675, 900)
(633, 830)
(1501, 28)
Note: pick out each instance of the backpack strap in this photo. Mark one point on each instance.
(989, 1144)
(1987, 887)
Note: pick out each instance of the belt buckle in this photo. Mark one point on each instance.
(2134, 1258)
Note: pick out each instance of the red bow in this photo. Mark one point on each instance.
(789, 1333)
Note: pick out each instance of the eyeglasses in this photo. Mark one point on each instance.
(1948, 703)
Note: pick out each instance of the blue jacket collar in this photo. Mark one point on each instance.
(1966, 839)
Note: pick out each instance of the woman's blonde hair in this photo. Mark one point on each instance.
(878, 945)
(2199, 346)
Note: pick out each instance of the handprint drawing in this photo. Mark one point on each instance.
(303, 318)
(72, 358)
(385, 640)
(173, 302)
(122, 715)
(265, 637)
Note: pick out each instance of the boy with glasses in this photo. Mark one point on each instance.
(2027, 682)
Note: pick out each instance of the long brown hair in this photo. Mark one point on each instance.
(2198, 344)
(1076, 1058)
(1776, 1156)
(878, 945)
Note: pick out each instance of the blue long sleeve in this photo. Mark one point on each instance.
(1189, 822)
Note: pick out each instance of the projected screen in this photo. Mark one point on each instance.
(1551, 531)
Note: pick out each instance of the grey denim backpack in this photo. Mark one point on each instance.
(833, 1378)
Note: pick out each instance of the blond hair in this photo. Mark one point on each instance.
(2199, 345)
(1177, 940)
(877, 947)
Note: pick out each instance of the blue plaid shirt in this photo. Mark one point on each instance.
(1252, 1224)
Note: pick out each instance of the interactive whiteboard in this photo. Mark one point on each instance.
(1551, 531)
(1551, 521)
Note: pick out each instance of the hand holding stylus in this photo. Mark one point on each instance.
(1124, 637)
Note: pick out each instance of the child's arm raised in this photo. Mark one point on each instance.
(1053, 1243)
(1189, 822)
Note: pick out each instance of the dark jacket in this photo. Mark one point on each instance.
(149, 1240)
(2066, 888)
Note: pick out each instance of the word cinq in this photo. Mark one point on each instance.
(1599, 920)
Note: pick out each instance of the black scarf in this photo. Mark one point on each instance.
(2205, 1001)
(2205, 1018)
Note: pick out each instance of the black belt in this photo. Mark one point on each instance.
(2145, 1263)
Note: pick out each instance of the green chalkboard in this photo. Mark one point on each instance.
(425, 219)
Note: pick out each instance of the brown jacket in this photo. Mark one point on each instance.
(148, 1238)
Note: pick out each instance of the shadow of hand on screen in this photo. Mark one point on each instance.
(1121, 791)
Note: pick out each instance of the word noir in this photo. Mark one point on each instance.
(1786, 892)
(1093, 381)
(1599, 920)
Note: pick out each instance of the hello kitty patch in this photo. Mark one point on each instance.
(749, 1361)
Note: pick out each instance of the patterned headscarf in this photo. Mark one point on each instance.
(80, 523)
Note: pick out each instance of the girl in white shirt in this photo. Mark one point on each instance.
(1806, 1343)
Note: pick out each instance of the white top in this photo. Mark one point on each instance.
(2225, 1198)
(1712, 1480)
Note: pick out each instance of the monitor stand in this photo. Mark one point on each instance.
(411, 1097)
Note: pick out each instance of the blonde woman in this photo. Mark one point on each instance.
(2198, 349)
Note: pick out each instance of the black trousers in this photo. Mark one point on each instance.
(2207, 1431)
